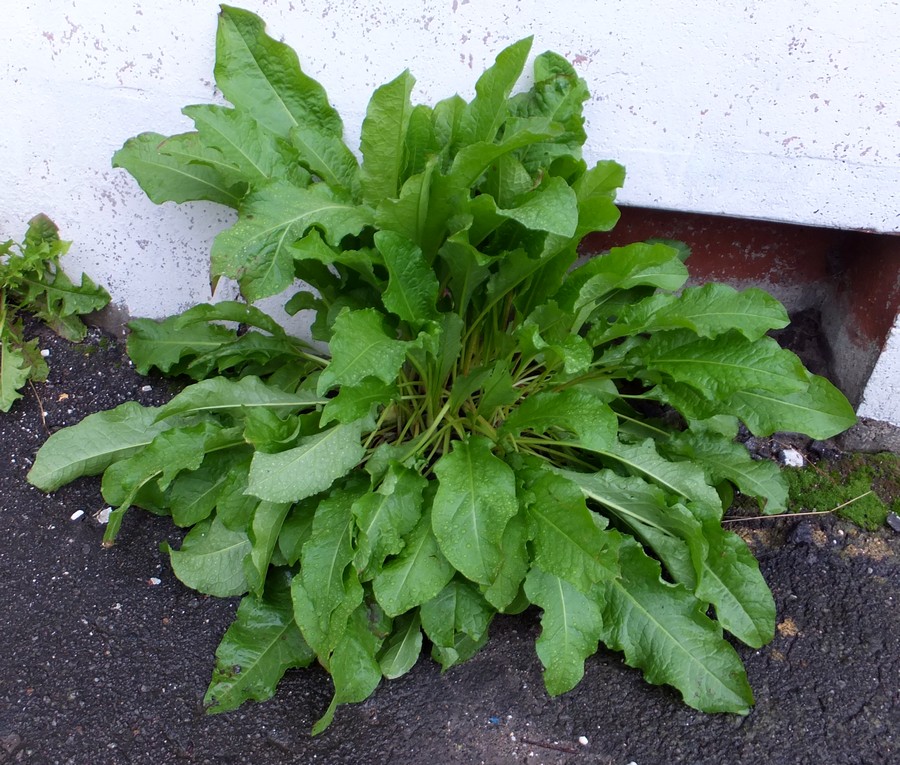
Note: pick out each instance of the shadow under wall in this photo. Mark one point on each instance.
(850, 280)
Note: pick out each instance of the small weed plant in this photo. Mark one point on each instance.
(492, 424)
(32, 281)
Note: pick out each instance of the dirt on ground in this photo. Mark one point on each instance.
(105, 656)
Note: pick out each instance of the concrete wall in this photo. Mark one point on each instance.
(784, 111)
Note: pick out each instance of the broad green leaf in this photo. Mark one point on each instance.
(165, 178)
(571, 626)
(362, 346)
(416, 575)
(596, 192)
(673, 533)
(92, 445)
(586, 416)
(14, 373)
(383, 139)
(664, 630)
(243, 143)
(421, 141)
(401, 650)
(171, 451)
(567, 541)
(708, 311)
(354, 668)
(475, 499)
(263, 532)
(262, 76)
(408, 214)
(481, 119)
(507, 181)
(211, 559)
(354, 402)
(456, 621)
(195, 493)
(682, 478)
(821, 411)
(162, 345)
(190, 150)
(553, 207)
(640, 264)
(221, 394)
(385, 516)
(312, 466)
(722, 459)
(297, 529)
(506, 587)
(229, 310)
(257, 649)
(731, 581)
(327, 589)
(721, 366)
(467, 269)
(325, 154)
(258, 250)
(412, 287)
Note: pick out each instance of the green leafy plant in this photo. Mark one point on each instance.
(32, 281)
(492, 424)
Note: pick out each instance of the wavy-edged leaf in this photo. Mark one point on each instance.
(553, 208)
(166, 178)
(254, 152)
(505, 589)
(708, 311)
(571, 626)
(639, 264)
(732, 582)
(326, 155)
(164, 345)
(456, 621)
(721, 366)
(362, 346)
(412, 286)
(663, 629)
(14, 373)
(211, 559)
(312, 466)
(263, 77)
(568, 542)
(669, 529)
(402, 648)
(821, 411)
(383, 139)
(222, 394)
(263, 531)
(416, 575)
(92, 445)
(258, 250)
(588, 417)
(722, 459)
(257, 649)
(482, 118)
(354, 667)
(385, 516)
(327, 590)
(475, 499)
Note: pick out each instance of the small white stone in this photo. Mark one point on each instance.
(76, 515)
(146, 388)
(154, 580)
(583, 740)
(45, 352)
(792, 458)
(102, 516)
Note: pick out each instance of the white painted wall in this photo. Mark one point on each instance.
(783, 110)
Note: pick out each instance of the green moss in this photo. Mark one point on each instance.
(829, 485)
